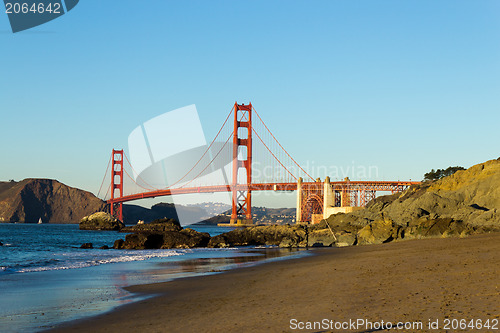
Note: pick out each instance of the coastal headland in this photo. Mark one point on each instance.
(425, 281)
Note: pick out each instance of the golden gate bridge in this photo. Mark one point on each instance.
(243, 142)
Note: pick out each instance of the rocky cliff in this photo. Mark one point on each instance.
(53, 202)
(464, 203)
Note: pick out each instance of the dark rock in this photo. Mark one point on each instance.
(104, 247)
(157, 226)
(185, 238)
(476, 206)
(286, 236)
(87, 246)
(142, 241)
(118, 244)
(1, 244)
(100, 221)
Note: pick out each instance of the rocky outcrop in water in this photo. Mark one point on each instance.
(284, 236)
(161, 234)
(183, 239)
(157, 226)
(160, 237)
(100, 221)
(49, 200)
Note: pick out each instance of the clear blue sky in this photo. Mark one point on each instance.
(402, 85)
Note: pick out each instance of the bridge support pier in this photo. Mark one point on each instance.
(328, 196)
(298, 218)
(116, 209)
(241, 213)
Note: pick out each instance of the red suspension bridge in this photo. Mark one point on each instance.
(252, 159)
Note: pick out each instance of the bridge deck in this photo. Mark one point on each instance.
(351, 185)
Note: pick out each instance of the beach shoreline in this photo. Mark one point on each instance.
(423, 281)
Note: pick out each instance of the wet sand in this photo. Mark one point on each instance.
(408, 281)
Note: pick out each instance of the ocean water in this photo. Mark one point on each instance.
(46, 279)
(44, 247)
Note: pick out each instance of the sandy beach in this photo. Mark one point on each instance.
(438, 282)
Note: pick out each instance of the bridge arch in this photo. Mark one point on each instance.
(313, 204)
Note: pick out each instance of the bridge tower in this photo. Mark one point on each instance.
(116, 209)
(242, 195)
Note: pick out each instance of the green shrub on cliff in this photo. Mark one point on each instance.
(440, 173)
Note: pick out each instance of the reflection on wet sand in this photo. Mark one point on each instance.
(207, 265)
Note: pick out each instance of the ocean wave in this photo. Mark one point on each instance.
(73, 261)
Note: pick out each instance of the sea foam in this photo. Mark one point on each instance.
(97, 257)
